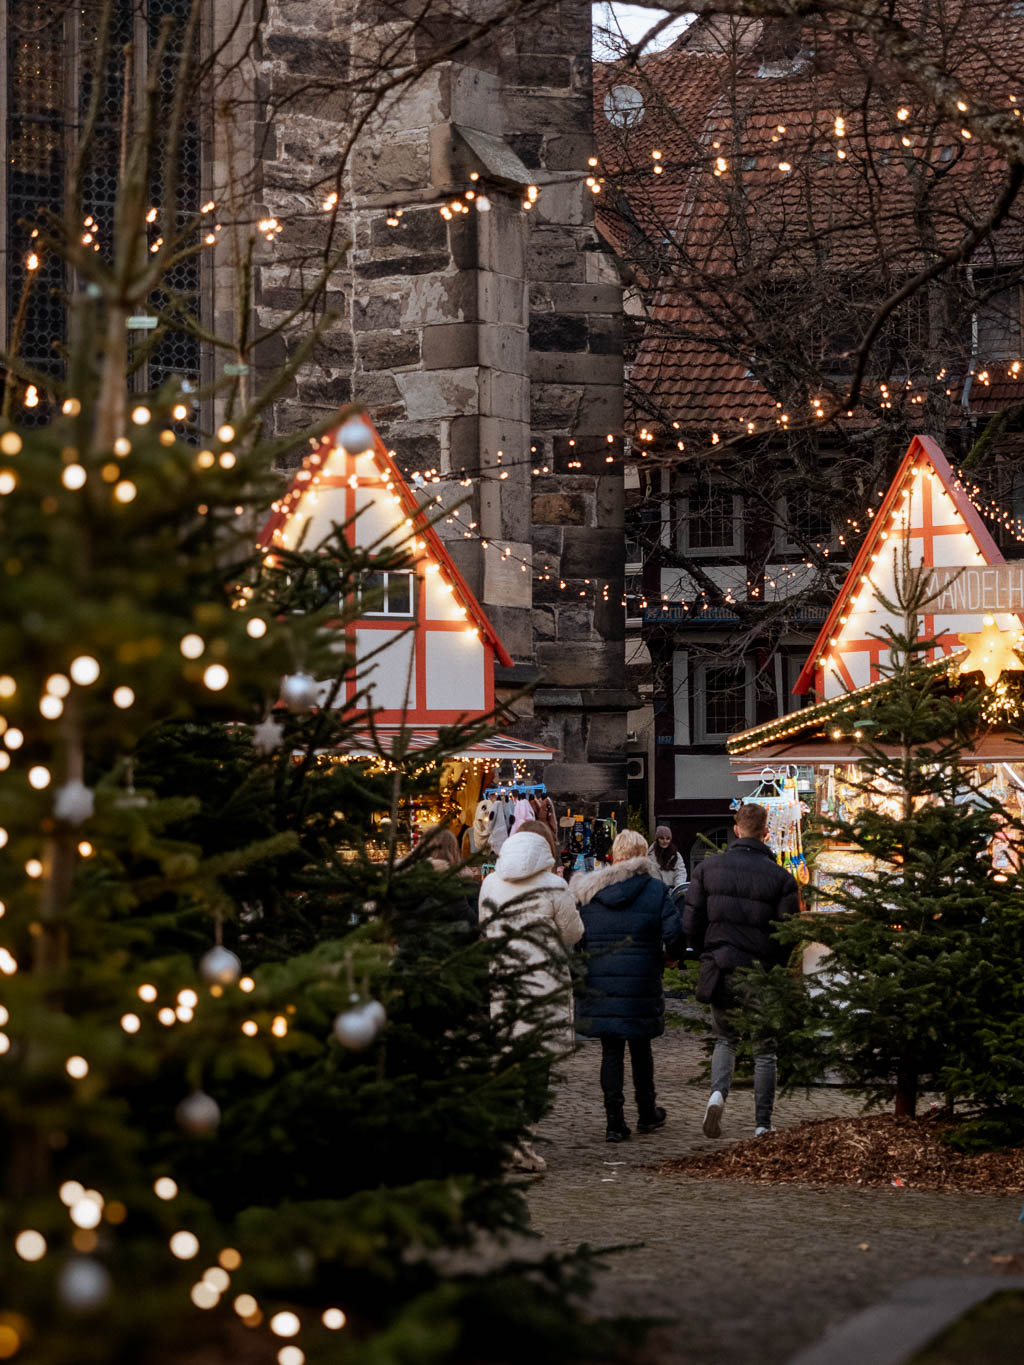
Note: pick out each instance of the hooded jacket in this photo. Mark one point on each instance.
(630, 923)
(524, 901)
(734, 901)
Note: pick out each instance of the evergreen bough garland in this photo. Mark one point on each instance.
(922, 991)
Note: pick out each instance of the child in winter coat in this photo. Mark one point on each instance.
(630, 924)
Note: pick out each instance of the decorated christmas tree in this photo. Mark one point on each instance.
(921, 990)
(258, 1076)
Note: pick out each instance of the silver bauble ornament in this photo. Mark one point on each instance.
(74, 802)
(355, 437)
(355, 1029)
(83, 1284)
(376, 1013)
(299, 692)
(219, 967)
(198, 1114)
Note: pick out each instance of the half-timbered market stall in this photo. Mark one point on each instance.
(972, 603)
(425, 650)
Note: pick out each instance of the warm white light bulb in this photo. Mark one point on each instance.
(216, 677)
(184, 1245)
(123, 697)
(30, 1245)
(165, 1187)
(84, 670)
(192, 646)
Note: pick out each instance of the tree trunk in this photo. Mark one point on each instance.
(906, 1094)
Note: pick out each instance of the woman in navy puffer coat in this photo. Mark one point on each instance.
(630, 924)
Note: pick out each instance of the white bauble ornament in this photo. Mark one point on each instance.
(267, 736)
(198, 1114)
(355, 437)
(376, 1013)
(356, 1029)
(299, 692)
(83, 1284)
(74, 802)
(219, 967)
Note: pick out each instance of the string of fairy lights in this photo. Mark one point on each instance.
(88, 1207)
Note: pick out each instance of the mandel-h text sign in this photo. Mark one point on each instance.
(976, 587)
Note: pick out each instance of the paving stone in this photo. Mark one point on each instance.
(752, 1273)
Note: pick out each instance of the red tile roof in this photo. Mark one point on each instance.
(772, 183)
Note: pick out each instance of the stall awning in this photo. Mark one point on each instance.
(995, 747)
(381, 742)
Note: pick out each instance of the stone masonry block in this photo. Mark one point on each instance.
(396, 266)
(514, 627)
(557, 297)
(559, 509)
(418, 229)
(503, 394)
(588, 664)
(558, 332)
(439, 393)
(388, 350)
(585, 368)
(505, 583)
(592, 552)
(503, 347)
(451, 345)
(556, 406)
(391, 166)
(502, 240)
(502, 298)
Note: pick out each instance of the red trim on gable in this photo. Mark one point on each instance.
(920, 447)
(417, 515)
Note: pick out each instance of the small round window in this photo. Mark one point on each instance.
(624, 106)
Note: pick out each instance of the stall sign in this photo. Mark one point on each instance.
(976, 587)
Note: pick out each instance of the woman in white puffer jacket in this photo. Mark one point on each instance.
(524, 901)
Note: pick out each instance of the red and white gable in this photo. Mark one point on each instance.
(424, 648)
(926, 515)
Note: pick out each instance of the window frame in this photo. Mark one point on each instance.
(782, 544)
(735, 547)
(383, 611)
(699, 672)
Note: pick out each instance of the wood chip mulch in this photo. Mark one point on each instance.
(875, 1153)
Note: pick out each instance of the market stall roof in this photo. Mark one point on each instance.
(996, 747)
(381, 741)
(926, 509)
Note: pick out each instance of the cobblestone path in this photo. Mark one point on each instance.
(751, 1273)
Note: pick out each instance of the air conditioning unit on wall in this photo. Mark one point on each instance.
(636, 767)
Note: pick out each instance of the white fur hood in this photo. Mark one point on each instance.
(523, 855)
(585, 886)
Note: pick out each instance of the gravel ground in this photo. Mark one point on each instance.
(750, 1273)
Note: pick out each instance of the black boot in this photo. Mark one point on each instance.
(651, 1118)
(616, 1130)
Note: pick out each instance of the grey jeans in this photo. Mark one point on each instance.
(723, 1060)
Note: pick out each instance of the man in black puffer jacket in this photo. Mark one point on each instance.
(734, 901)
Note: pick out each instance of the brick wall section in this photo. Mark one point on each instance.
(492, 332)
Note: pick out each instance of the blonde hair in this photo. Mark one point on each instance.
(630, 843)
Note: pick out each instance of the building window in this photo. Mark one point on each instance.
(802, 522)
(389, 592)
(51, 72)
(788, 669)
(712, 521)
(723, 701)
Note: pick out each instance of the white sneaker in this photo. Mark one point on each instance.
(524, 1158)
(712, 1124)
(761, 1131)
